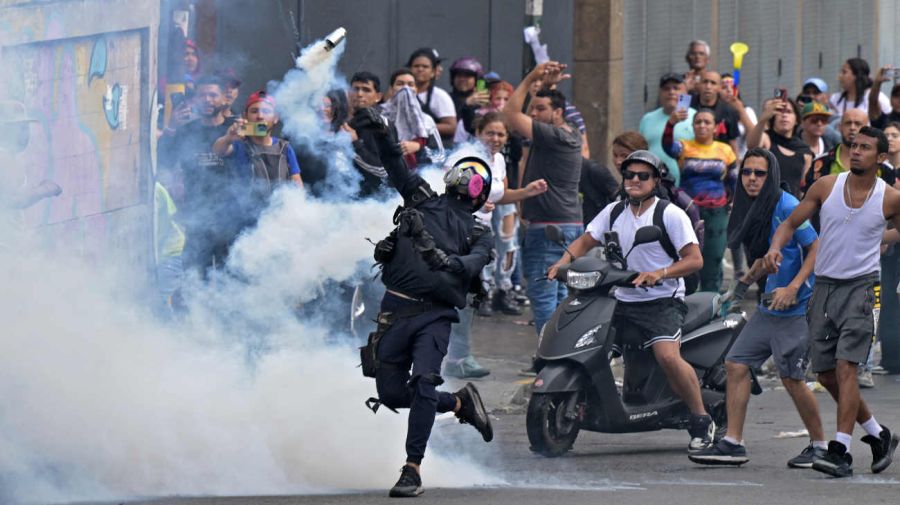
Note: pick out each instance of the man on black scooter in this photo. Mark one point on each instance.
(654, 309)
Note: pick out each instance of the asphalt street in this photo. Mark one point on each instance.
(643, 468)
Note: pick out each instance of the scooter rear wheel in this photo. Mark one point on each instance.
(549, 431)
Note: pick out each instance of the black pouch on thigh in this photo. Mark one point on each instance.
(368, 354)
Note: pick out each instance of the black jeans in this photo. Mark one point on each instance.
(419, 343)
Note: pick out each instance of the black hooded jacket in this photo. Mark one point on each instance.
(751, 218)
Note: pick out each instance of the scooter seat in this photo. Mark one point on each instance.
(701, 310)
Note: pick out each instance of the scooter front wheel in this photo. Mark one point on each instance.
(550, 432)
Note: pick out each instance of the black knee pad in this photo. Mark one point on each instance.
(426, 385)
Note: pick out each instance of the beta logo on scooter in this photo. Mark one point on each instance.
(642, 415)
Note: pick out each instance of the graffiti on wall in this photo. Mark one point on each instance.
(84, 97)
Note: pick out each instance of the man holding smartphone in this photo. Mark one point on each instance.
(778, 328)
(673, 94)
(877, 117)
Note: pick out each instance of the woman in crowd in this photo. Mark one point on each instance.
(855, 84)
(493, 133)
(467, 98)
(778, 132)
(707, 175)
(435, 102)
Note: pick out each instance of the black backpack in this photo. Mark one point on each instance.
(692, 281)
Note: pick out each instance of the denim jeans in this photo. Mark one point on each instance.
(506, 247)
(538, 254)
(461, 334)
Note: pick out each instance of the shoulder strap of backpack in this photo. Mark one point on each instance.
(616, 212)
(658, 220)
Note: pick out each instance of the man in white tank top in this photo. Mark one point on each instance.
(843, 309)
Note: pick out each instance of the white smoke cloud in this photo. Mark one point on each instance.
(239, 396)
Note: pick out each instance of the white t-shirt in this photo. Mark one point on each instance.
(841, 106)
(498, 173)
(646, 257)
(441, 103)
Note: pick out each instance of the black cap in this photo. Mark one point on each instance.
(671, 77)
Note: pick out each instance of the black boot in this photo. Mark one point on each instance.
(484, 308)
(472, 411)
(505, 302)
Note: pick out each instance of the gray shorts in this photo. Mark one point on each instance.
(842, 317)
(784, 338)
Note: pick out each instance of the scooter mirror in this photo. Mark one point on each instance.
(647, 234)
(554, 234)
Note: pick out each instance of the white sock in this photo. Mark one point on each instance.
(872, 427)
(845, 439)
(820, 444)
(732, 440)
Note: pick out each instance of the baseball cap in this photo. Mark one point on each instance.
(818, 83)
(815, 109)
(259, 96)
(671, 77)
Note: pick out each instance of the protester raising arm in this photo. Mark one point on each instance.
(521, 123)
(757, 137)
(875, 111)
(672, 147)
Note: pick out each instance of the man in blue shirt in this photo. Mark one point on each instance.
(652, 125)
(778, 328)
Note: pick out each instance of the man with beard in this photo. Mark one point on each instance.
(838, 159)
(844, 306)
(778, 328)
(206, 209)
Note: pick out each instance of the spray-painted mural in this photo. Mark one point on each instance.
(88, 136)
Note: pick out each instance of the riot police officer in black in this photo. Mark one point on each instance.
(429, 264)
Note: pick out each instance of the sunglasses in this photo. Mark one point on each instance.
(642, 176)
(749, 171)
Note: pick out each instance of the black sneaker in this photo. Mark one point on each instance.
(471, 411)
(702, 431)
(409, 485)
(837, 462)
(883, 447)
(722, 453)
(806, 457)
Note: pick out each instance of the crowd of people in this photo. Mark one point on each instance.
(734, 179)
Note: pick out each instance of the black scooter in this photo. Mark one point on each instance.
(575, 388)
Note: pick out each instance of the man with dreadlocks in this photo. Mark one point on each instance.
(779, 327)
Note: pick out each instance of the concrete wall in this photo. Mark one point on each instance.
(82, 69)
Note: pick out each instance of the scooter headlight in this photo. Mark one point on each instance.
(589, 338)
(582, 280)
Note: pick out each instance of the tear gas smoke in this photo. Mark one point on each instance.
(300, 97)
(240, 396)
